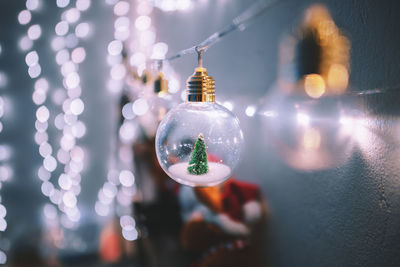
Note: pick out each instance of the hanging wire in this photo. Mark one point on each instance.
(238, 23)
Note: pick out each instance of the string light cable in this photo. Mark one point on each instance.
(238, 23)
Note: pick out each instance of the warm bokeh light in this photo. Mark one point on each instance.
(303, 119)
(311, 138)
(314, 85)
(338, 78)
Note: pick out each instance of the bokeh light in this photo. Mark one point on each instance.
(24, 17)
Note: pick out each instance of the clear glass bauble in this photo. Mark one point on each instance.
(150, 110)
(308, 134)
(181, 128)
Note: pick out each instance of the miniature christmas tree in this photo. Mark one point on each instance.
(198, 161)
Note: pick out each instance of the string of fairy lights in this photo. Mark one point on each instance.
(118, 190)
(116, 180)
(5, 169)
(139, 43)
(34, 70)
(69, 30)
(69, 156)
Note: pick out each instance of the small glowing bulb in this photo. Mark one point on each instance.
(72, 15)
(101, 209)
(47, 188)
(3, 211)
(130, 234)
(3, 256)
(140, 107)
(121, 8)
(34, 32)
(82, 30)
(77, 106)
(314, 85)
(72, 80)
(159, 50)
(32, 4)
(250, 111)
(144, 8)
(50, 163)
(62, 28)
(303, 119)
(42, 114)
(32, 58)
(142, 23)
(24, 17)
(115, 47)
(62, 3)
(57, 43)
(69, 199)
(78, 55)
(83, 5)
(3, 227)
(25, 43)
(34, 71)
(126, 178)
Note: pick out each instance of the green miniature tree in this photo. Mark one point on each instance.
(198, 161)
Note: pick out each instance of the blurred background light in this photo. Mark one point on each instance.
(34, 32)
(24, 17)
(32, 4)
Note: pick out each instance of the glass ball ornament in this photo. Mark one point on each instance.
(199, 142)
(152, 105)
(308, 124)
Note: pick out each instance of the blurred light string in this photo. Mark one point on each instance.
(70, 31)
(69, 154)
(5, 169)
(115, 196)
(238, 23)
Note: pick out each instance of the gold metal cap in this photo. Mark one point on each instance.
(160, 84)
(200, 87)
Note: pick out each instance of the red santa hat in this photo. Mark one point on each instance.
(241, 200)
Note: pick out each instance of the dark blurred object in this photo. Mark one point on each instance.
(156, 210)
(224, 225)
(25, 251)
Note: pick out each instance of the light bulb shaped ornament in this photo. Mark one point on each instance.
(199, 142)
(157, 102)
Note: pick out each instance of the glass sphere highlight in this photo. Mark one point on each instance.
(199, 143)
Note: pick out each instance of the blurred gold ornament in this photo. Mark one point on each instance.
(315, 60)
(160, 84)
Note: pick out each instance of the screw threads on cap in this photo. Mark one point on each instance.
(200, 87)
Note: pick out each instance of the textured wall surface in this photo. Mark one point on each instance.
(347, 214)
